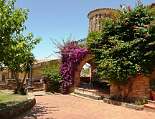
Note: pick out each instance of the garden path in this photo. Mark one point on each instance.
(57, 106)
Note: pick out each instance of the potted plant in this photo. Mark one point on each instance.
(152, 86)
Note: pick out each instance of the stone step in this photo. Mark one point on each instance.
(150, 106)
(87, 90)
(87, 93)
(38, 89)
(151, 101)
(2, 83)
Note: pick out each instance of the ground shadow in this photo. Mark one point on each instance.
(38, 111)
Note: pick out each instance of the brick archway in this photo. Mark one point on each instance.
(87, 59)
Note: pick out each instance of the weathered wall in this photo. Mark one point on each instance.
(36, 70)
(138, 87)
(37, 73)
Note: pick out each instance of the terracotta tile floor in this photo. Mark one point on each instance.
(71, 107)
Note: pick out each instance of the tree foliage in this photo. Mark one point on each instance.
(11, 23)
(15, 47)
(52, 71)
(19, 54)
(125, 46)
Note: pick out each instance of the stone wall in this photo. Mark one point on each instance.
(37, 70)
(138, 87)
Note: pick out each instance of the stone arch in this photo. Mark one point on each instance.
(87, 59)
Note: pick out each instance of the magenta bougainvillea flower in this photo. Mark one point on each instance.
(71, 55)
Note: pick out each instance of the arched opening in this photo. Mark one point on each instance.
(77, 73)
(86, 76)
(89, 80)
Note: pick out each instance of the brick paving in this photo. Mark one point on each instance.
(72, 107)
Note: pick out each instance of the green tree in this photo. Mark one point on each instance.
(19, 58)
(15, 48)
(126, 46)
(11, 23)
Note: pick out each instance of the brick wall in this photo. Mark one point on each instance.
(136, 87)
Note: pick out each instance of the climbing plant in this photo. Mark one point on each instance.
(125, 46)
(71, 55)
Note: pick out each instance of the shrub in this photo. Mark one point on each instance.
(103, 86)
(52, 78)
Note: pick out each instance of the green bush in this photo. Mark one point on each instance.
(53, 78)
(54, 86)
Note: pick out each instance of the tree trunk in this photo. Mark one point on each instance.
(19, 84)
(24, 78)
(16, 79)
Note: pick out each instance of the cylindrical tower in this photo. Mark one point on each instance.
(97, 15)
(153, 5)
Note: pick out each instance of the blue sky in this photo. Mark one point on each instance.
(61, 19)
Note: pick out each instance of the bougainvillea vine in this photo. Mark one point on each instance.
(71, 55)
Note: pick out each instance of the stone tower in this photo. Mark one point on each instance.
(153, 5)
(97, 15)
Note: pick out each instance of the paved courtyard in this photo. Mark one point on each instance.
(72, 107)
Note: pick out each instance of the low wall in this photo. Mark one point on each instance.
(138, 87)
(16, 110)
(3, 86)
(10, 84)
(38, 86)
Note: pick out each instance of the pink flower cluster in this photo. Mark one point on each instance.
(71, 55)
